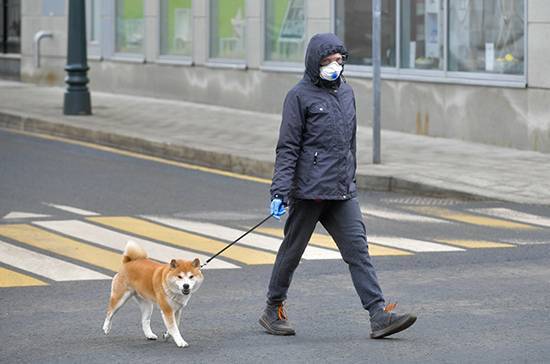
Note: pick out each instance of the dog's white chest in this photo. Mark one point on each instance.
(178, 301)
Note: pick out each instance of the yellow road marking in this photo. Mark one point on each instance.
(475, 244)
(146, 157)
(9, 278)
(183, 239)
(326, 241)
(470, 218)
(43, 239)
(378, 250)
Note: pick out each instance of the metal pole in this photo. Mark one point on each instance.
(376, 60)
(77, 98)
(5, 26)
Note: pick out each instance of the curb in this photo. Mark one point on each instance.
(223, 161)
(173, 152)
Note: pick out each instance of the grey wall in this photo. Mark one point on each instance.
(10, 67)
(538, 43)
(53, 50)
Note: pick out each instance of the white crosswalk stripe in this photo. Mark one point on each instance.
(401, 216)
(230, 234)
(115, 240)
(528, 242)
(16, 215)
(74, 210)
(412, 245)
(45, 266)
(515, 215)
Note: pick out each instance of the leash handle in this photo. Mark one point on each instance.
(239, 238)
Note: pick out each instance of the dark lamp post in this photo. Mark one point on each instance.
(376, 84)
(77, 98)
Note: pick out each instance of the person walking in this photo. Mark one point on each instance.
(314, 177)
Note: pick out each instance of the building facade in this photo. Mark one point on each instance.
(467, 69)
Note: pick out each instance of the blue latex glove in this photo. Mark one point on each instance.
(277, 208)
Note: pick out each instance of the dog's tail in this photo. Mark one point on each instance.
(133, 252)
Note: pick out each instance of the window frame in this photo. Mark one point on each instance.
(440, 76)
(174, 59)
(492, 78)
(220, 62)
(130, 57)
(364, 71)
(281, 66)
(94, 47)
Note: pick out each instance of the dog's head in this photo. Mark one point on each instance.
(185, 276)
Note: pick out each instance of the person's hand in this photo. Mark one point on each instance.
(277, 208)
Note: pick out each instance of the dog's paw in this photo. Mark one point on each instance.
(151, 336)
(165, 336)
(106, 329)
(181, 343)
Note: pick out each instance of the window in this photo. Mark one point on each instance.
(487, 36)
(176, 36)
(130, 30)
(354, 27)
(95, 23)
(227, 29)
(284, 30)
(452, 39)
(10, 26)
(422, 24)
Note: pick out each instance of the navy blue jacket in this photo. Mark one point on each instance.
(315, 155)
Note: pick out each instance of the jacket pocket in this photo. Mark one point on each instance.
(319, 113)
(321, 167)
(319, 108)
(315, 168)
(324, 173)
(320, 125)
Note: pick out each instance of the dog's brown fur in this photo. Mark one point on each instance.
(168, 285)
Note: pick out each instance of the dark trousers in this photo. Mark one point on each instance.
(344, 222)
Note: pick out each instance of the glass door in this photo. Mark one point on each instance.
(10, 26)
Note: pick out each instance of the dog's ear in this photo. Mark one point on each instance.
(173, 264)
(196, 263)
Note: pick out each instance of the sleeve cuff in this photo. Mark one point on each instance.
(280, 197)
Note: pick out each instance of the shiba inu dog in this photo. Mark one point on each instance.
(168, 285)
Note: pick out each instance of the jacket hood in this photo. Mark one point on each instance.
(320, 46)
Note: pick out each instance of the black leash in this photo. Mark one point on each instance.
(239, 238)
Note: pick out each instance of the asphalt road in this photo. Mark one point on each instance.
(487, 301)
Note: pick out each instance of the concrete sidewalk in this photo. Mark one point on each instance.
(244, 142)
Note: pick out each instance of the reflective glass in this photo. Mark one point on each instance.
(487, 36)
(227, 29)
(422, 24)
(10, 26)
(130, 23)
(354, 27)
(176, 36)
(284, 30)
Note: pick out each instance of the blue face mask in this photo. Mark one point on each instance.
(331, 72)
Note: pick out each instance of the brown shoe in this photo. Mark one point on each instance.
(385, 323)
(275, 320)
